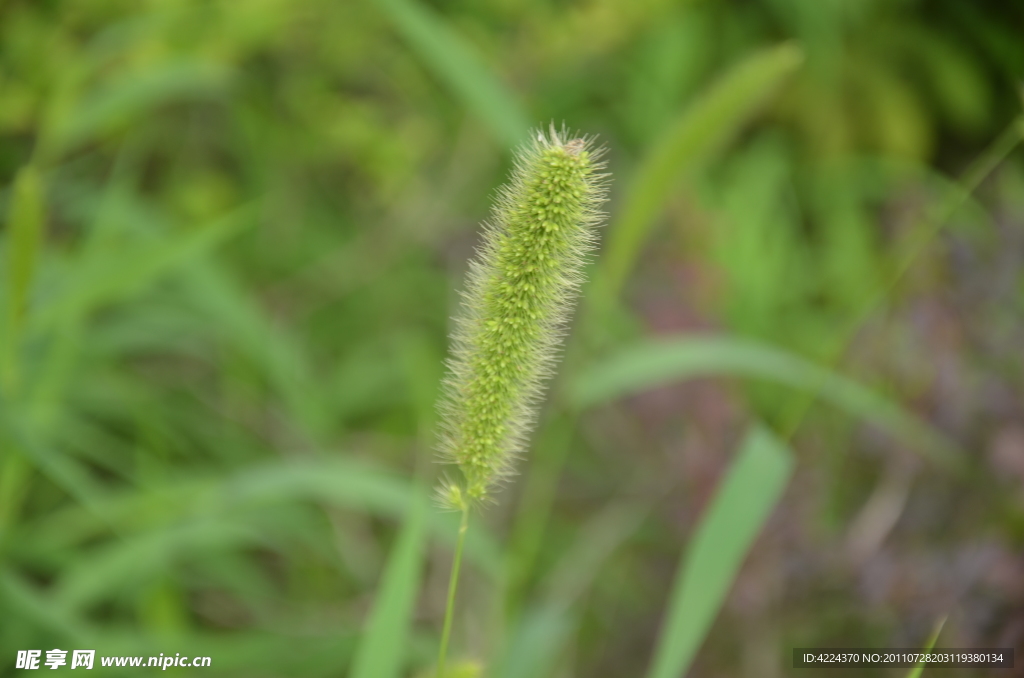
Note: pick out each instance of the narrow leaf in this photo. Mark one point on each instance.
(24, 232)
(134, 94)
(454, 62)
(657, 362)
(719, 545)
(125, 564)
(537, 642)
(124, 273)
(239, 320)
(704, 127)
(26, 603)
(337, 481)
(65, 471)
(916, 671)
(25, 225)
(381, 650)
(598, 539)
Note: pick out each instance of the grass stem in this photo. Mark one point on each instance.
(453, 582)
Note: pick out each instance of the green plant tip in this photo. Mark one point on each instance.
(519, 294)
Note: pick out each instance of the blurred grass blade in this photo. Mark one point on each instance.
(654, 363)
(125, 273)
(132, 95)
(704, 127)
(350, 484)
(15, 473)
(381, 650)
(453, 61)
(929, 228)
(916, 671)
(338, 481)
(599, 538)
(550, 449)
(241, 321)
(724, 535)
(31, 607)
(537, 642)
(128, 563)
(24, 232)
(421, 368)
(545, 630)
(66, 472)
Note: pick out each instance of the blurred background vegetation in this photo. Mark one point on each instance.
(233, 234)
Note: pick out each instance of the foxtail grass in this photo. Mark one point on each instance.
(520, 292)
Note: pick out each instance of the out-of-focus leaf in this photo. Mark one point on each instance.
(894, 117)
(241, 322)
(24, 232)
(535, 644)
(673, 55)
(916, 671)
(549, 451)
(422, 368)
(124, 564)
(998, 39)
(543, 630)
(704, 127)
(453, 61)
(339, 482)
(32, 606)
(720, 542)
(465, 668)
(119, 274)
(662, 361)
(598, 539)
(381, 651)
(955, 78)
(755, 240)
(133, 94)
(65, 471)
(14, 484)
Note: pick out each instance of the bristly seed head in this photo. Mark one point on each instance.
(519, 293)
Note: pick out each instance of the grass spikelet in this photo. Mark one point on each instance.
(519, 294)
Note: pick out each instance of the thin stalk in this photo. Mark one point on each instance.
(932, 224)
(535, 505)
(916, 671)
(453, 583)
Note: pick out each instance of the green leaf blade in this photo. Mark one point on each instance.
(121, 275)
(453, 61)
(704, 127)
(25, 228)
(661, 361)
(381, 650)
(745, 498)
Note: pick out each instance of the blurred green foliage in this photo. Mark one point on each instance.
(232, 235)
